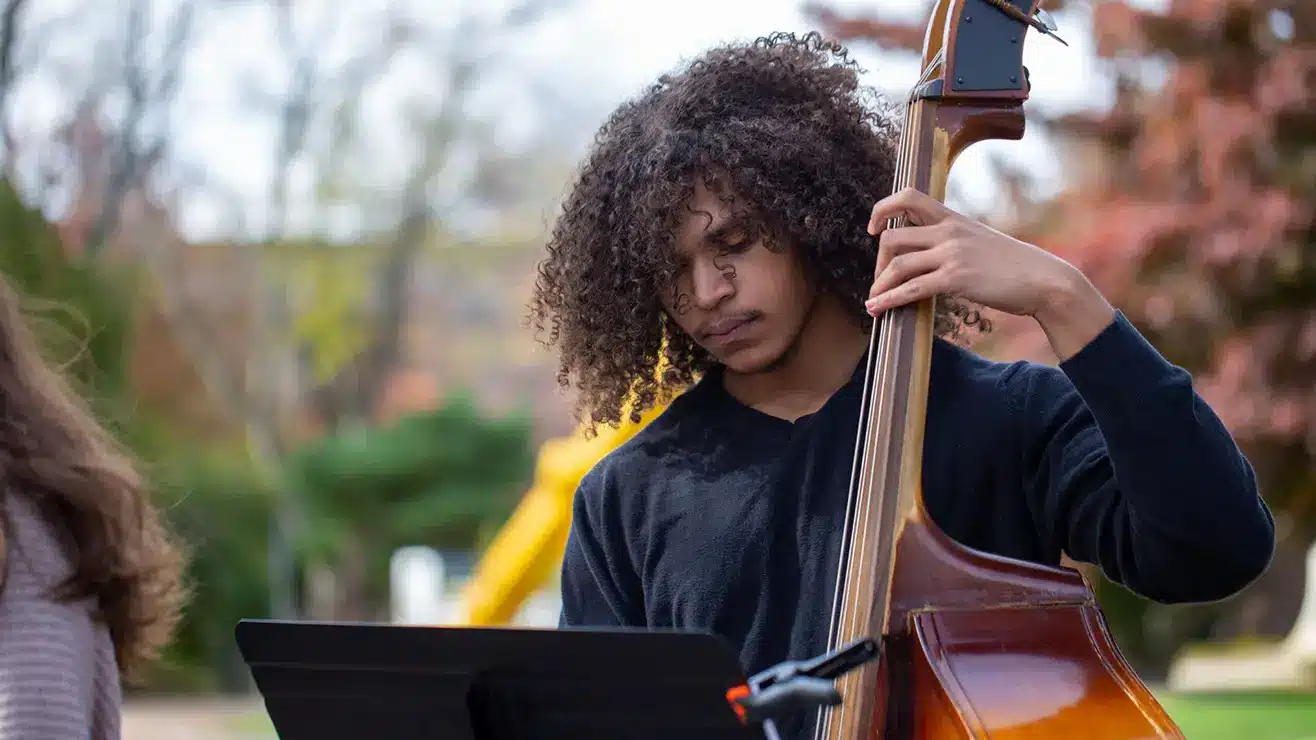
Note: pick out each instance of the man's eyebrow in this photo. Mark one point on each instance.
(728, 225)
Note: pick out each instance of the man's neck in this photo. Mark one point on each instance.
(823, 359)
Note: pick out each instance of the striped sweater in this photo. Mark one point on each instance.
(58, 675)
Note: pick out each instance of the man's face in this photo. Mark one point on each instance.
(742, 302)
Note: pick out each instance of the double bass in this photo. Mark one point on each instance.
(967, 644)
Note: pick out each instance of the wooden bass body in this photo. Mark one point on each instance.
(1038, 663)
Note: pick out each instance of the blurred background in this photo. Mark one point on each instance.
(287, 247)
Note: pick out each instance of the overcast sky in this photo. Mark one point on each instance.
(586, 58)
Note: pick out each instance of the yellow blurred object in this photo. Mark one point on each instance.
(529, 547)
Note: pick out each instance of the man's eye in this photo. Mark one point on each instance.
(734, 245)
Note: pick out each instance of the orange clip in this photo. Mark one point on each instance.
(737, 693)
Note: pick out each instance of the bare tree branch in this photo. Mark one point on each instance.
(355, 392)
(10, 17)
(190, 329)
(131, 159)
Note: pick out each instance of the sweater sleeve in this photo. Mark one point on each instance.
(46, 647)
(600, 587)
(1131, 470)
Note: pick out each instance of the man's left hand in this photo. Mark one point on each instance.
(943, 252)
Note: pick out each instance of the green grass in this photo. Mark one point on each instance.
(1244, 716)
(254, 726)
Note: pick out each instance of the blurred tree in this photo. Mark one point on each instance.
(292, 339)
(1197, 217)
(435, 479)
(221, 506)
(107, 173)
(329, 284)
(11, 16)
(83, 312)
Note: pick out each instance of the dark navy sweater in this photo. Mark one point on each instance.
(717, 517)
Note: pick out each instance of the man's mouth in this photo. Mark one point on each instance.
(728, 330)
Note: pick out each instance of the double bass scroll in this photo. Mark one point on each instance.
(973, 645)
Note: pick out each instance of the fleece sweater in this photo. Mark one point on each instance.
(720, 518)
(59, 679)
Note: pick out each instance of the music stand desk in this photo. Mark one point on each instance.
(325, 681)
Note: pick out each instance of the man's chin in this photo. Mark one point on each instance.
(751, 360)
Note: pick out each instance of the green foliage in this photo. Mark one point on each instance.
(221, 507)
(444, 478)
(81, 311)
(439, 479)
(329, 286)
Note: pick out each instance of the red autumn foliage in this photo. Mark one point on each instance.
(1200, 223)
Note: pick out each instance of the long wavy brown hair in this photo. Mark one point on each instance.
(53, 449)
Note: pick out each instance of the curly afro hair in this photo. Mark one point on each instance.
(799, 141)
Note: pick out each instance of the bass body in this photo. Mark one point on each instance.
(973, 645)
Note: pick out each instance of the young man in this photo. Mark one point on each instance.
(731, 220)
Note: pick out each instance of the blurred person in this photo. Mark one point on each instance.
(91, 583)
(732, 220)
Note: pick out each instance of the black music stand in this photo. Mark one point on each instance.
(323, 681)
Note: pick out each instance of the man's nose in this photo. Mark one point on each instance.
(712, 285)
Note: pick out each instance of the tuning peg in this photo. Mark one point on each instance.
(1041, 20)
(1046, 19)
(1046, 23)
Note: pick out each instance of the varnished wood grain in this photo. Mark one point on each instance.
(1004, 649)
(1026, 674)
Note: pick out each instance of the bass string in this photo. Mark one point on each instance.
(855, 612)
